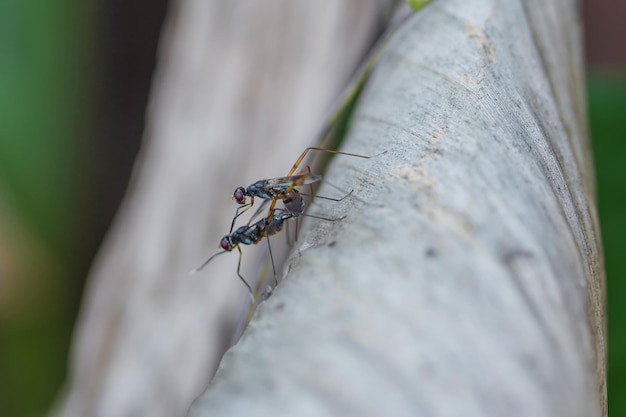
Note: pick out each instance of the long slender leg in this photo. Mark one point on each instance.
(308, 168)
(297, 164)
(288, 233)
(272, 260)
(328, 198)
(270, 213)
(328, 219)
(258, 210)
(239, 212)
(284, 194)
(242, 278)
(297, 229)
(313, 148)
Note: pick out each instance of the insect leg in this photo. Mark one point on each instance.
(239, 212)
(242, 278)
(288, 233)
(328, 219)
(258, 211)
(297, 229)
(313, 148)
(272, 260)
(270, 213)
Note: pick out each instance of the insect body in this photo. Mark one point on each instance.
(272, 189)
(251, 234)
(295, 166)
(254, 233)
(280, 188)
(275, 189)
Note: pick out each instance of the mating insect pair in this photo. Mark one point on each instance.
(273, 190)
(266, 227)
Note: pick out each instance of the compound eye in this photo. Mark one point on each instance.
(239, 195)
(225, 244)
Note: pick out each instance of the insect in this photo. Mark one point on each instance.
(269, 189)
(248, 235)
(275, 189)
(254, 233)
(292, 202)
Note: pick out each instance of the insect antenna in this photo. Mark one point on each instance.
(205, 263)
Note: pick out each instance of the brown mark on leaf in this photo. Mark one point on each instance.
(471, 82)
(422, 184)
(425, 188)
(439, 133)
(478, 36)
(415, 175)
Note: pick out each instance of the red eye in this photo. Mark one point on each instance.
(225, 244)
(239, 195)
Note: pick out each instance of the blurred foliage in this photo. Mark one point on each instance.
(417, 4)
(607, 109)
(42, 112)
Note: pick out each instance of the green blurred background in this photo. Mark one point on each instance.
(74, 80)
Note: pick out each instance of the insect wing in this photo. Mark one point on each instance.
(279, 185)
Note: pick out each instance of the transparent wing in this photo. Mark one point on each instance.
(283, 183)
